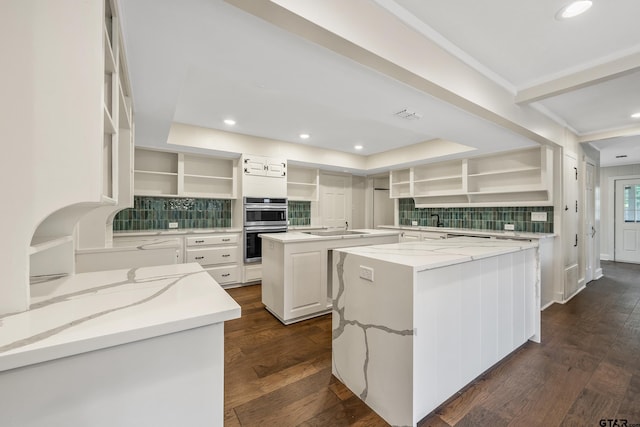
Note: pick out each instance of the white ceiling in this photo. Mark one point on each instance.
(200, 61)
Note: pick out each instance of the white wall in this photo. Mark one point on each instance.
(607, 176)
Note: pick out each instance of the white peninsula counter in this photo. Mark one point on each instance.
(415, 322)
(129, 347)
(296, 269)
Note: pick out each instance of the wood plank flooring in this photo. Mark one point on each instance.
(586, 369)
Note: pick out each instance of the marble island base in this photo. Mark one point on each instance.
(413, 323)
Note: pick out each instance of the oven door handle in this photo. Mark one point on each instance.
(264, 208)
(266, 229)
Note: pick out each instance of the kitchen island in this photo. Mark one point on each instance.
(140, 346)
(414, 322)
(296, 277)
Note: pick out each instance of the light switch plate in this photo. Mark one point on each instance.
(173, 225)
(538, 216)
(509, 227)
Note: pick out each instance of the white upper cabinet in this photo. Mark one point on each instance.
(263, 176)
(522, 177)
(264, 166)
(161, 173)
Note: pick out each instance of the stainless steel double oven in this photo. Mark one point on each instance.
(262, 215)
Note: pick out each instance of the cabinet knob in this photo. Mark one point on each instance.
(226, 255)
(199, 257)
(226, 275)
(199, 241)
(226, 240)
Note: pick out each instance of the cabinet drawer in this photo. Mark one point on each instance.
(222, 239)
(224, 275)
(210, 256)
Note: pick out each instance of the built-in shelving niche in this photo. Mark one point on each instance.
(515, 178)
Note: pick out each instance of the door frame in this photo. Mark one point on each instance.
(591, 250)
(611, 202)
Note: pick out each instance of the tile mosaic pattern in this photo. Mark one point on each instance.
(155, 213)
(299, 213)
(491, 218)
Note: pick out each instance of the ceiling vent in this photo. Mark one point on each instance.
(408, 114)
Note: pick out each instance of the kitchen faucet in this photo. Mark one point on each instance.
(438, 223)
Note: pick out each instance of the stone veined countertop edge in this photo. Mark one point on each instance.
(299, 237)
(179, 314)
(175, 232)
(427, 255)
(478, 232)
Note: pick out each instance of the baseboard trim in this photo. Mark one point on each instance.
(606, 257)
(574, 294)
(598, 274)
(547, 305)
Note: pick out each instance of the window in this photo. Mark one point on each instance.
(632, 203)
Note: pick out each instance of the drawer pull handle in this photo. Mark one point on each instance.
(226, 255)
(226, 275)
(199, 257)
(199, 241)
(226, 240)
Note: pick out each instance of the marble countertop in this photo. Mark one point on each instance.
(161, 242)
(470, 231)
(89, 311)
(429, 254)
(175, 231)
(299, 236)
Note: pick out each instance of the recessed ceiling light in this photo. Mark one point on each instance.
(574, 8)
(304, 135)
(358, 147)
(636, 115)
(229, 122)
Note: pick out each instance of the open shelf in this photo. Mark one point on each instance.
(39, 244)
(302, 183)
(160, 173)
(517, 177)
(507, 171)
(109, 60)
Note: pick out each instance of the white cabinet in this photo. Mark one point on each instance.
(95, 126)
(415, 235)
(295, 280)
(303, 183)
(570, 227)
(263, 176)
(514, 176)
(264, 166)
(160, 173)
(208, 177)
(400, 183)
(522, 177)
(218, 254)
(439, 179)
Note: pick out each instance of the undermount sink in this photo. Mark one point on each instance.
(333, 232)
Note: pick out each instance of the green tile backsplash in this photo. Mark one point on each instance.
(492, 218)
(299, 213)
(155, 213)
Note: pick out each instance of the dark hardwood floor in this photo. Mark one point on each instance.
(586, 369)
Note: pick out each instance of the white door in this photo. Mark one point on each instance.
(570, 225)
(627, 222)
(590, 225)
(336, 200)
